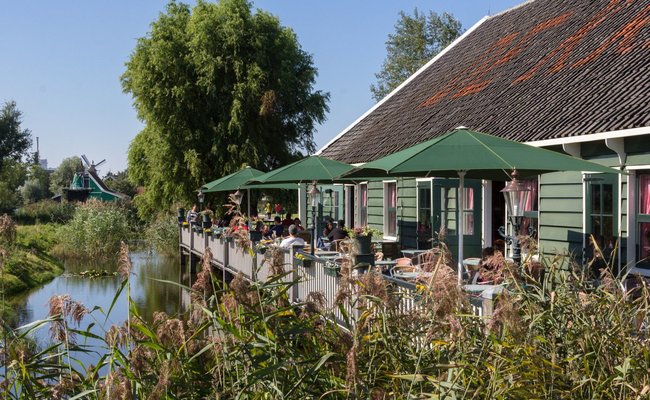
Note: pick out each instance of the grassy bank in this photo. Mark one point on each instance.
(28, 263)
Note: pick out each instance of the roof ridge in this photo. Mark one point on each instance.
(525, 3)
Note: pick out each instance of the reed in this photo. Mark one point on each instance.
(557, 335)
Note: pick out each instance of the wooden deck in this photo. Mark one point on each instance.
(228, 257)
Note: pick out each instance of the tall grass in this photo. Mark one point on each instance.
(45, 211)
(557, 337)
(163, 234)
(96, 230)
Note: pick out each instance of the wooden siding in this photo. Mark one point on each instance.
(560, 213)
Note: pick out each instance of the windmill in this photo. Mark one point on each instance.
(88, 184)
(91, 166)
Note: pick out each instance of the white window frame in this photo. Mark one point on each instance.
(360, 203)
(385, 203)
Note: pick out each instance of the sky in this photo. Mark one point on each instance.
(61, 62)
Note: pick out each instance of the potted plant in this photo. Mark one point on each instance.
(363, 235)
(303, 259)
(332, 268)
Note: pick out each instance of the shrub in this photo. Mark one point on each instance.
(162, 234)
(96, 230)
(44, 212)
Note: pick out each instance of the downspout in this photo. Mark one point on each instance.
(618, 146)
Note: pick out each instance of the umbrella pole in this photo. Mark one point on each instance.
(248, 198)
(461, 221)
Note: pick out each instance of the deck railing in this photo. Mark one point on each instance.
(316, 275)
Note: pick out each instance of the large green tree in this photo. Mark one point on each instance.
(14, 141)
(64, 173)
(217, 86)
(417, 39)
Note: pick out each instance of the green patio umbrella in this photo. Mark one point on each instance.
(464, 154)
(310, 169)
(233, 181)
(307, 170)
(237, 180)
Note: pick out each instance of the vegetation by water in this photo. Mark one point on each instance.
(163, 235)
(45, 211)
(25, 260)
(556, 335)
(96, 229)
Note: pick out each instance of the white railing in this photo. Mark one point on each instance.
(199, 241)
(240, 260)
(320, 275)
(219, 249)
(185, 235)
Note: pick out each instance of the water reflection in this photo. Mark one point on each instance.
(148, 293)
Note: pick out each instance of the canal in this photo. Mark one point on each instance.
(147, 291)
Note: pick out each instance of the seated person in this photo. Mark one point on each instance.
(339, 232)
(298, 224)
(292, 239)
(287, 220)
(328, 228)
(277, 228)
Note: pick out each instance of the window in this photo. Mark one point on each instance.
(530, 210)
(643, 219)
(601, 211)
(390, 209)
(363, 204)
(425, 228)
(468, 211)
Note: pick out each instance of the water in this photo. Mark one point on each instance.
(148, 293)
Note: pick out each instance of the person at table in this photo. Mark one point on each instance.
(339, 232)
(192, 215)
(287, 221)
(277, 229)
(292, 239)
(298, 224)
(329, 226)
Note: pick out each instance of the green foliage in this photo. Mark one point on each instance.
(119, 182)
(559, 336)
(163, 234)
(12, 175)
(64, 173)
(27, 262)
(45, 211)
(96, 230)
(37, 186)
(217, 86)
(417, 39)
(14, 141)
(41, 238)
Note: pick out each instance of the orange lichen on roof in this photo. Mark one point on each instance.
(627, 35)
(568, 45)
(472, 75)
(471, 79)
(542, 26)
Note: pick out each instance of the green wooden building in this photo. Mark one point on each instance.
(571, 76)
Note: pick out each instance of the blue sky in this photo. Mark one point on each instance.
(61, 62)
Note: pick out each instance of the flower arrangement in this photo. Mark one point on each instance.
(303, 259)
(363, 231)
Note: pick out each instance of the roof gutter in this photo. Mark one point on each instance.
(623, 133)
(406, 82)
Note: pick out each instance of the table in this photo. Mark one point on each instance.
(385, 265)
(472, 266)
(412, 253)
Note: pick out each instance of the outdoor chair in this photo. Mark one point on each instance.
(428, 260)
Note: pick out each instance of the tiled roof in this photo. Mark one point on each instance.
(548, 69)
